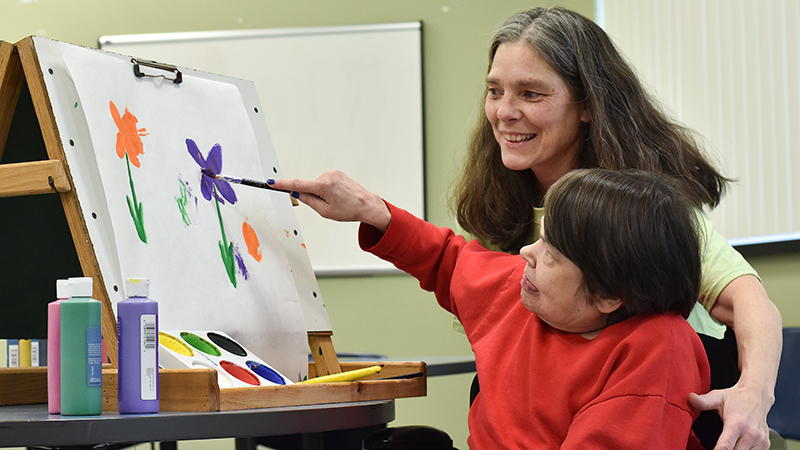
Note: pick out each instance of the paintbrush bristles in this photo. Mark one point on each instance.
(207, 173)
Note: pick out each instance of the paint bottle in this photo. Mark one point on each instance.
(54, 348)
(81, 352)
(138, 349)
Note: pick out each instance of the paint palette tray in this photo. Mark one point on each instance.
(236, 366)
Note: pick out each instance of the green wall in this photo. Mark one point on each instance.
(382, 314)
(780, 274)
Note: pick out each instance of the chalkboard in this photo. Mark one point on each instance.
(35, 241)
(347, 98)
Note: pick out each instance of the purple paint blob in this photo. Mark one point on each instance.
(240, 262)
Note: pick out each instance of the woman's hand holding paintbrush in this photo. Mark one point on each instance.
(336, 196)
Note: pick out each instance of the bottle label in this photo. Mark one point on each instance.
(13, 355)
(35, 353)
(149, 336)
(94, 368)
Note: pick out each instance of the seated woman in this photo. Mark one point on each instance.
(580, 340)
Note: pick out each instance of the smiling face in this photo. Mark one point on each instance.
(533, 116)
(553, 289)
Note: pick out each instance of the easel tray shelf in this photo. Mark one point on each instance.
(198, 390)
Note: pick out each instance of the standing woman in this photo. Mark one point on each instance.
(559, 96)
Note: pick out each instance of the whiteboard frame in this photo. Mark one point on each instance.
(411, 184)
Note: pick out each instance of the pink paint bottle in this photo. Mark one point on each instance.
(54, 348)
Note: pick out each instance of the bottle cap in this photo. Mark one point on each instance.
(137, 287)
(80, 287)
(62, 289)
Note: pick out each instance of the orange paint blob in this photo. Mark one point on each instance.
(251, 239)
(129, 137)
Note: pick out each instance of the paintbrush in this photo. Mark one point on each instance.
(248, 182)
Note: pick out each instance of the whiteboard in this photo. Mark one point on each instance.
(347, 98)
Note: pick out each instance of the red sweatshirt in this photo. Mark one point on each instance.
(542, 388)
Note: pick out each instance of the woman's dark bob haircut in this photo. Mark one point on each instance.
(632, 233)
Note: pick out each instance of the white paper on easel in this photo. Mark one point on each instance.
(212, 254)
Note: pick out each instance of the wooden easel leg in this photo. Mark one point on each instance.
(321, 346)
(29, 62)
(11, 78)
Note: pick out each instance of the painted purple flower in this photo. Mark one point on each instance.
(210, 186)
(211, 164)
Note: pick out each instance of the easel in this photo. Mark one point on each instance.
(18, 64)
(180, 389)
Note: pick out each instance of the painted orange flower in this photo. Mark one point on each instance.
(129, 147)
(129, 139)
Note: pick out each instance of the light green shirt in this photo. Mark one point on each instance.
(721, 265)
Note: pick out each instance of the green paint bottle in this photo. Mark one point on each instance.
(81, 351)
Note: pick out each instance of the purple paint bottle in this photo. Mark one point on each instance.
(137, 339)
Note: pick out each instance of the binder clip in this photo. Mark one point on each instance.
(137, 71)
